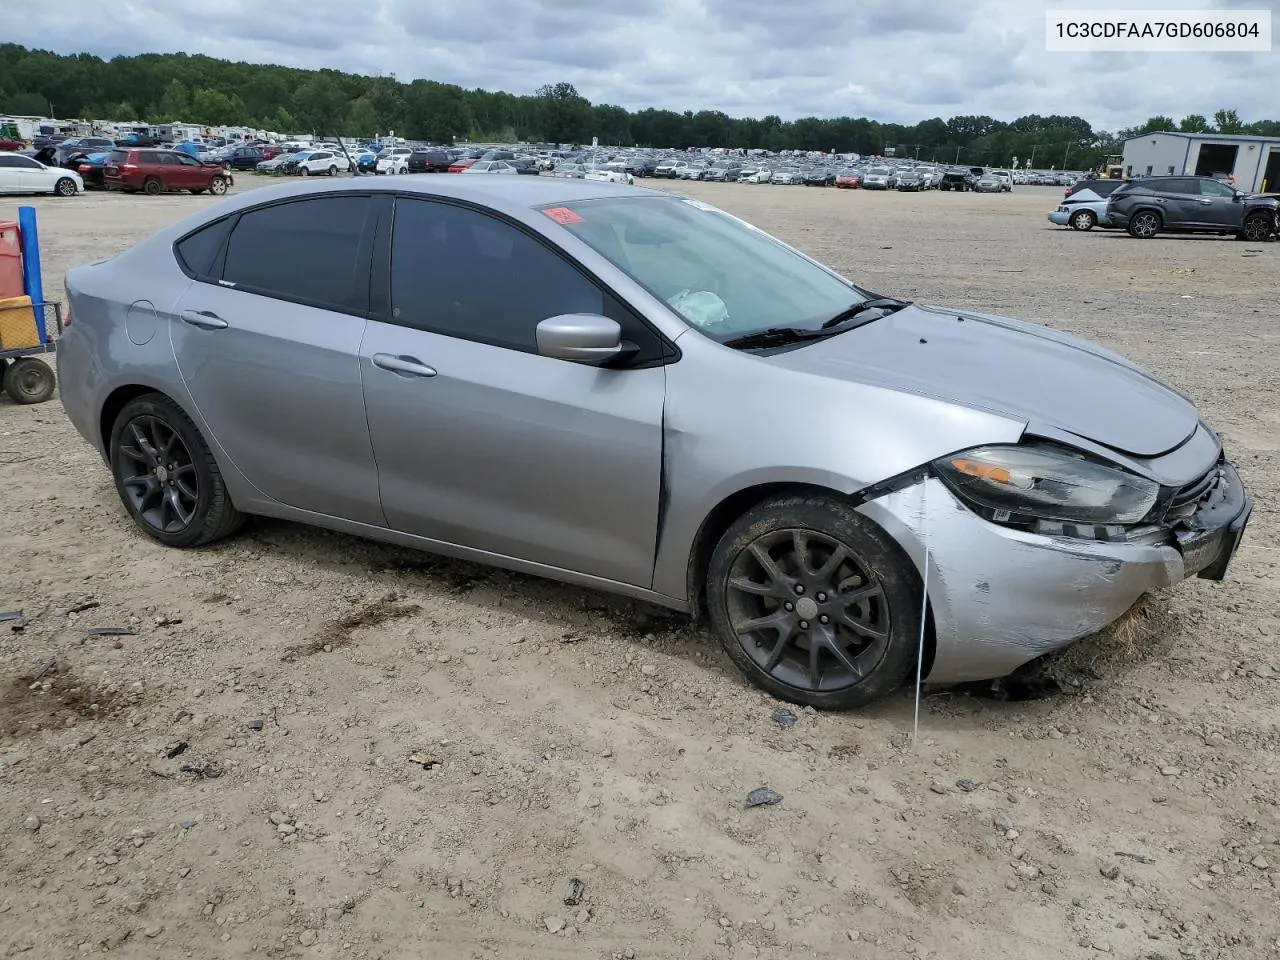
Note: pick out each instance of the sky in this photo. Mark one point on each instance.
(898, 61)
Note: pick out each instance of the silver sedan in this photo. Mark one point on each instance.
(639, 393)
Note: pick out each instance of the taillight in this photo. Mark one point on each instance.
(83, 168)
(129, 167)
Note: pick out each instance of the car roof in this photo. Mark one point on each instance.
(531, 192)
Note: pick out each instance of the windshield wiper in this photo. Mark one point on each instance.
(774, 337)
(877, 303)
(781, 336)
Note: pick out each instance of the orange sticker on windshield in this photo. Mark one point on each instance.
(562, 215)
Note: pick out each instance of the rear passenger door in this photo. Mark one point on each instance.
(268, 343)
(1179, 198)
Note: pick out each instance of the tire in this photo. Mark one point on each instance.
(65, 187)
(1144, 224)
(886, 608)
(333, 171)
(210, 514)
(1083, 220)
(1256, 228)
(152, 187)
(218, 186)
(305, 171)
(28, 380)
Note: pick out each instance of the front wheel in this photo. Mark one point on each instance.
(65, 187)
(815, 603)
(218, 186)
(1083, 220)
(305, 171)
(1256, 228)
(166, 476)
(28, 380)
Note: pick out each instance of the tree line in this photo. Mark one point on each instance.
(158, 88)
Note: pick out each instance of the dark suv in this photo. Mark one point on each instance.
(1191, 205)
(429, 161)
(959, 179)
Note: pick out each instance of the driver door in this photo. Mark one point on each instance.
(187, 172)
(1219, 205)
(484, 443)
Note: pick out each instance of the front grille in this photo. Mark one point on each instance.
(1186, 499)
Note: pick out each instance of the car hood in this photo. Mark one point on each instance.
(1016, 369)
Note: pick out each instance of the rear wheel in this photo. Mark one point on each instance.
(28, 380)
(166, 476)
(65, 187)
(152, 187)
(815, 603)
(333, 171)
(1083, 220)
(1144, 224)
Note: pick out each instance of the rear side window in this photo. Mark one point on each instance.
(308, 251)
(118, 157)
(198, 251)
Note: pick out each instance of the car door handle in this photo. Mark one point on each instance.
(409, 366)
(203, 319)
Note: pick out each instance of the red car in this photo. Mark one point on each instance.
(848, 180)
(460, 165)
(156, 171)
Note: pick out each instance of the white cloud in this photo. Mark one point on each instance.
(892, 60)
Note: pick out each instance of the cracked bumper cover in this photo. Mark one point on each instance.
(1002, 597)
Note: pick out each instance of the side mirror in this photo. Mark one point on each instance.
(580, 337)
(1238, 195)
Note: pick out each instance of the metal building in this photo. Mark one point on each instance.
(1254, 162)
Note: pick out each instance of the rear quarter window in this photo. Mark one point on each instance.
(198, 252)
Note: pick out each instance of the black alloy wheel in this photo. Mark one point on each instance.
(166, 475)
(815, 603)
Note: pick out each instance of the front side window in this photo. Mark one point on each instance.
(463, 273)
(1213, 188)
(305, 250)
(719, 274)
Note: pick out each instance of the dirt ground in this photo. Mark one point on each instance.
(309, 745)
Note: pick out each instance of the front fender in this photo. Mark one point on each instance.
(789, 427)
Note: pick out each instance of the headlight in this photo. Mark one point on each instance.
(1046, 483)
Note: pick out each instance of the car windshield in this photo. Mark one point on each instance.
(721, 275)
(879, 171)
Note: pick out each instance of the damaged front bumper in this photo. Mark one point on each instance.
(1001, 597)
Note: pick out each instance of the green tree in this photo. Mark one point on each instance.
(1227, 121)
(1194, 123)
(321, 105)
(284, 122)
(214, 108)
(436, 112)
(27, 105)
(564, 113)
(362, 119)
(175, 102)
